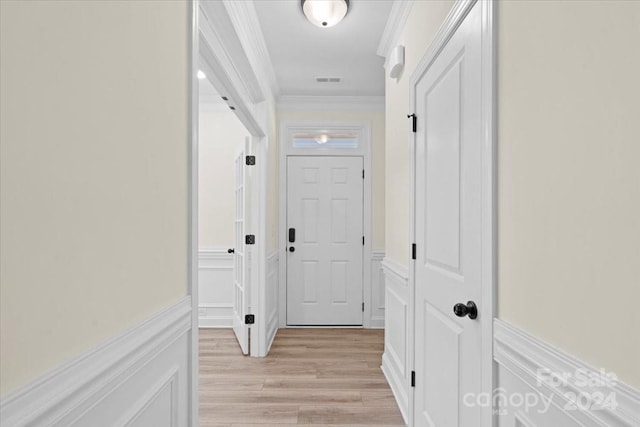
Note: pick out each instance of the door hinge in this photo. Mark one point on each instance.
(250, 239)
(250, 160)
(249, 319)
(362, 173)
(414, 122)
(363, 307)
(413, 378)
(362, 240)
(413, 251)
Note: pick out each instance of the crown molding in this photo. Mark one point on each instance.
(330, 103)
(395, 24)
(245, 21)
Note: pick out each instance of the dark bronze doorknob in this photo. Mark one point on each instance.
(292, 249)
(231, 251)
(462, 310)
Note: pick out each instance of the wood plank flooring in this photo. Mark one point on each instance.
(321, 377)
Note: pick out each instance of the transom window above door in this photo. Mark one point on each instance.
(325, 140)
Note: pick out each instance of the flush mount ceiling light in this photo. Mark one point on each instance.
(325, 13)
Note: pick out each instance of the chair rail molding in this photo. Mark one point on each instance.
(578, 393)
(145, 369)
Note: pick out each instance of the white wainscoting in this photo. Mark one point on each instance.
(520, 357)
(215, 288)
(376, 313)
(138, 378)
(271, 293)
(395, 360)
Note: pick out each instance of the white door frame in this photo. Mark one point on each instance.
(489, 182)
(287, 128)
(209, 49)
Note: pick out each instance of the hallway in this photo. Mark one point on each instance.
(311, 377)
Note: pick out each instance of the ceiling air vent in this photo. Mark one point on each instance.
(328, 79)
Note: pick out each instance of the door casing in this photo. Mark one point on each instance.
(287, 128)
(489, 181)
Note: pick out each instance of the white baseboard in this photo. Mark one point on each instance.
(218, 315)
(132, 379)
(215, 286)
(395, 360)
(527, 365)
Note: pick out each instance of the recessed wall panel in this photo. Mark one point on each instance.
(310, 281)
(310, 175)
(339, 281)
(442, 170)
(310, 220)
(339, 175)
(339, 220)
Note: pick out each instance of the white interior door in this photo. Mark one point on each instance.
(325, 240)
(448, 231)
(241, 279)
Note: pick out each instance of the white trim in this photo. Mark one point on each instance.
(168, 380)
(219, 17)
(395, 24)
(193, 100)
(246, 23)
(376, 312)
(488, 187)
(229, 62)
(524, 355)
(364, 128)
(273, 260)
(223, 318)
(75, 388)
(220, 61)
(330, 103)
(214, 254)
(397, 370)
(257, 299)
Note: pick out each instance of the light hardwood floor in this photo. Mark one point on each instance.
(328, 377)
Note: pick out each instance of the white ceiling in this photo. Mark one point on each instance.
(300, 51)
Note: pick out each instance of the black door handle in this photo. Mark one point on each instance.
(462, 310)
(292, 235)
(292, 249)
(231, 251)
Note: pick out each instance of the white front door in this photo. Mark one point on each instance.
(324, 240)
(448, 271)
(241, 265)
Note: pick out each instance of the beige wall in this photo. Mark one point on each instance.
(569, 178)
(94, 193)
(422, 25)
(377, 160)
(221, 137)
